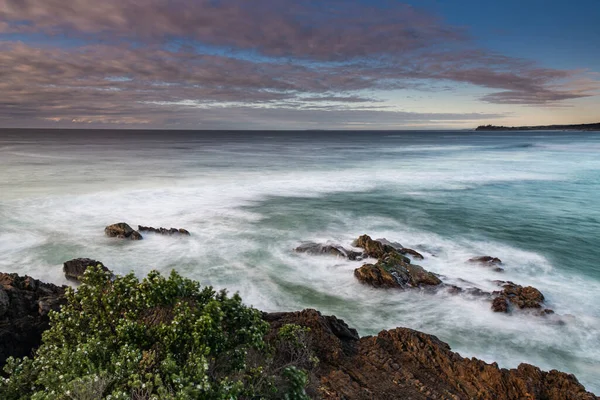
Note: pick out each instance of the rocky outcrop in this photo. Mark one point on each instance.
(374, 248)
(24, 306)
(516, 296)
(393, 271)
(74, 269)
(122, 231)
(405, 364)
(164, 231)
(328, 249)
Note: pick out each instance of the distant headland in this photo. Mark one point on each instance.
(576, 127)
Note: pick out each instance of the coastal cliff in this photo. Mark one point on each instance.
(396, 364)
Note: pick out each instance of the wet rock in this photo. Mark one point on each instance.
(403, 363)
(373, 248)
(24, 306)
(385, 242)
(513, 295)
(74, 269)
(393, 271)
(500, 304)
(122, 231)
(411, 252)
(328, 249)
(486, 260)
(164, 231)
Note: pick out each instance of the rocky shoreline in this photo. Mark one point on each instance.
(399, 363)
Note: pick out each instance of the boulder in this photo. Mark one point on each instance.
(24, 306)
(517, 296)
(393, 271)
(74, 269)
(164, 231)
(328, 249)
(123, 231)
(403, 363)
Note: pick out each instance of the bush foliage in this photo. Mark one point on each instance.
(158, 338)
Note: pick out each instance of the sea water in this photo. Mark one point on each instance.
(248, 198)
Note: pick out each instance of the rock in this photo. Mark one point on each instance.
(24, 306)
(4, 302)
(393, 271)
(485, 260)
(373, 248)
(376, 276)
(123, 231)
(412, 252)
(518, 296)
(500, 304)
(164, 231)
(334, 250)
(74, 269)
(405, 364)
(385, 242)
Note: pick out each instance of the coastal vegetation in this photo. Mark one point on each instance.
(159, 338)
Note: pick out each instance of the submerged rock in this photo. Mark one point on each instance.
(488, 260)
(403, 363)
(74, 269)
(123, 231)
(24, 306)
(164, 231)
(328, 249)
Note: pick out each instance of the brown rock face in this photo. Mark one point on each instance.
(373, 248)
(164, 231)
(123, 231)
(518, 296)
(24, 306)
(393, 271)
(405, 364)
(74, 269)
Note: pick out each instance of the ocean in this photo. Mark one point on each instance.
(249, 198)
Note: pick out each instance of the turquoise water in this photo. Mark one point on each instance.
(531, 199)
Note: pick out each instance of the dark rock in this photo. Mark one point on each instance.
(385, 242)
(486, 260)
(411, 252)
(164, 231)
(74, 269)
(123, 231)
(334, 250)
(405, 364)
(24, 306)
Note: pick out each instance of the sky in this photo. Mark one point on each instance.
(298, 64)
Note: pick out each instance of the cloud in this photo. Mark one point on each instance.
(157, 61)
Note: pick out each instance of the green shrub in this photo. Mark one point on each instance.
(159, 338)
